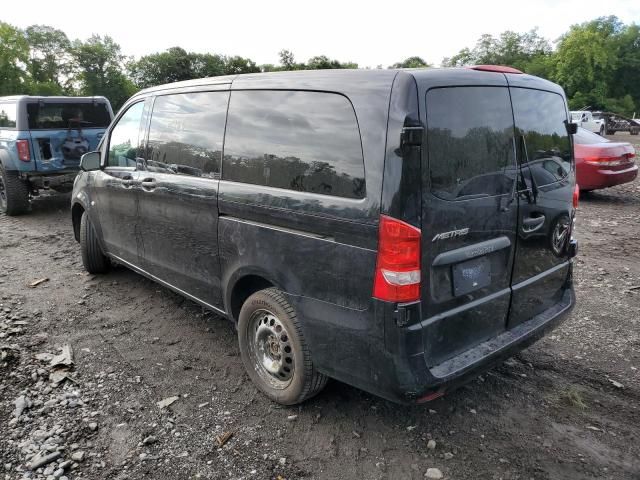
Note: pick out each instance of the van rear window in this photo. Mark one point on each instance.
(470, 142)
(303, 141)
(541, 118)
(59, 116)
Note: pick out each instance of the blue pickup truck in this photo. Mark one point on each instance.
(41, 142)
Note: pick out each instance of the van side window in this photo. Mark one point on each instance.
(541, 118)
(470, 142)
(124, 141)
(186, 132)
(303, 141)
(7, 115)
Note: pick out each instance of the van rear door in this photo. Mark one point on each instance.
(469, 216)
(545, 154)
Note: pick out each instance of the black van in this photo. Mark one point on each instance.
(397, 230)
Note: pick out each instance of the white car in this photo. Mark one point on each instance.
(589, 121)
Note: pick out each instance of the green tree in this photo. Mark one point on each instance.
(519, 50)
(236, 65)
(207, 65)
(99, 67)
(14, 57)
(49, 60)
(287, 60)
(626, 78)
(173, 65)
(322, 62)
(587, 58)
(411, 62)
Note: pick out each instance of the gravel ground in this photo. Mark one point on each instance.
(568, 407)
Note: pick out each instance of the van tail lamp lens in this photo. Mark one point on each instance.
(397, 276)
(495, 68)
(576, 196)
(23, 150)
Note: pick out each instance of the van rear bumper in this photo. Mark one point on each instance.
(481, 357)
(369, 350)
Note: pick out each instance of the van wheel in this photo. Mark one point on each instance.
(93, 259)
(274, 351)
(14, 193)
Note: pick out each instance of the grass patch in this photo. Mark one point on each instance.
(573, 397)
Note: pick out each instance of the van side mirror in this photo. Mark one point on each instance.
(90, 161)
(572, 128)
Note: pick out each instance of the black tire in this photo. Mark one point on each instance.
(14, 193)
(635, 131)
(280, 322)
(93, 259)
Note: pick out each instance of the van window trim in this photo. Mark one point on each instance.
(516, 165)
(258, 89)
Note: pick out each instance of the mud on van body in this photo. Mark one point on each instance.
(400, 231)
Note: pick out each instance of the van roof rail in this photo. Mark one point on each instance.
(495, 68)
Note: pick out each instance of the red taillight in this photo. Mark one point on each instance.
(397, 276)
(23, 150)
(576, 196)
(609, 161)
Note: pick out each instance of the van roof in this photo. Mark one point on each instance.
(365, 78)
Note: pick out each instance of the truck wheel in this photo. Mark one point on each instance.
(14, 193)
(274, 350)
(93, 259)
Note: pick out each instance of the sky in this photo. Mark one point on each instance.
(370, 33)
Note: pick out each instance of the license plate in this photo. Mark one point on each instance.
(471, 275)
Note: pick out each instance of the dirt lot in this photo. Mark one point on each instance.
(567, 408)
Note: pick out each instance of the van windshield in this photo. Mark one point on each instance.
(61, 116)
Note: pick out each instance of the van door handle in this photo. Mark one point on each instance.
(148, 184)
(126, 181)
(531, 224)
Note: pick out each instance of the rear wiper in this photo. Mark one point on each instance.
(534, 185)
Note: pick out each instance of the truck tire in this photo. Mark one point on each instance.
(274, 351)
(93, 258)
(14, 193)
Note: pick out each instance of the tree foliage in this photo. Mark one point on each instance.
(510, 48)
(98, 65)
(596, 62)
(49, 60)
(411, 62)
(14, 57)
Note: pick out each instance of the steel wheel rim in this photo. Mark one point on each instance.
(270, 349)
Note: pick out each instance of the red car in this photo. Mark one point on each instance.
(601, 163)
